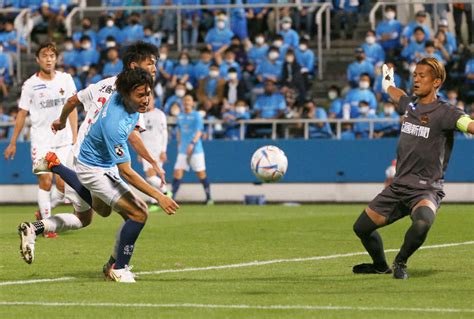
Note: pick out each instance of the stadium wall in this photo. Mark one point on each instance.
(319, 170)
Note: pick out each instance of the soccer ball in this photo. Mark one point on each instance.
(269, 164)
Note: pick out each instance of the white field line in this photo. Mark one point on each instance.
(248, 264)
(251, 307)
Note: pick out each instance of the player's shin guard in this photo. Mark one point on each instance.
(129, 234)
(422, 219)
(57, 197)
(61, 222)
(70, 177)
(44, 203)
(365, 229)
(176, 185)
(207, 187)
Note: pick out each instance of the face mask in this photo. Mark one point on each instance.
(388, 110)
(290, 59)
(110, 23)
(202, 113)
(332, 95)
(214, 74)
(180, 93)
(364, 109)
(303, 47)
(286, 26)
(240, 109)
(273, 55)
(232, 76)
(390, 15)
(86, 46)
(175, 111)
(364, 85)
(163, 56)
(221, 25)
(184, 61)
(68, 46)
(109, 44)
(260, 40)
(370, 39)
(278, 43)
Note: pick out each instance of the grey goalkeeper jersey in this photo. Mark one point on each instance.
(425, 143)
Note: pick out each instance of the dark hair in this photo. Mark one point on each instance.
(138, 52)
(232, 70)
(47, 45)
(429, 44)
(85, 37)
(129, 79)
(278, 37)
(335, 88)
(418, 29)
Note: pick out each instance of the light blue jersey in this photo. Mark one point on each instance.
(106, 143)
(189, 124)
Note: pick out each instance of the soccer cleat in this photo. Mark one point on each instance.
(153, 208)
(27, 242)
(122, 275)
(40, 166)
(370, 269)
(52, 159)
(210, 202)
(50, 235)
(169, 194)
(399, 270)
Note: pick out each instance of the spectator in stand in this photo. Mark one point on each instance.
(4, 118)
(4, 73)
(290, 36)
(410, 29)
(435, 51)
(292, 78)
(388, 31)
(86, 30)
(256, 17)
(150, 37)
(306, 59)
(388, 129)
(442, 44)
(183, 71)
(240, 54)
(164, 67)
(134, 30)
(110, 29)
(317, 130)
(374, 52)
(358, 67)
(271, 68)
(452, 96)
(114, 65)
(345, 15)
(415, 49)
(219, 38)
(335, 108)
(190, 24)
(354, 96)
(69, 56)
(54, 13)
(279, 43)
(469, 74)
(271, 104)
(93, 75)
(168, 21)
(257, 52)
(451, 39)
(87, 55)
(231, 118)
(201, 68)
(8, 38)
(458, 10)
(238, 21)
(77, 81)
(229, 62)
(362, 129)
(234, 90)
(176, 98)
(210, 92)
(379, 93)
(305, 17)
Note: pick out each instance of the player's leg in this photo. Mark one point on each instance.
(422, 216)
(180, 166)
(45, 182)
(57, 193)
(198, 164)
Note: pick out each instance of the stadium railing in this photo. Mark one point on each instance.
(323, 7)
(382, 4)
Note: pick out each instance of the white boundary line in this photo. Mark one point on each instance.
(252, 307)
(241, 265)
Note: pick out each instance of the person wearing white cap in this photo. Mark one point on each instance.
(290, 36)
(443, 27)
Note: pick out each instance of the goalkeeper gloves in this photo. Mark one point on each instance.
(388, 78)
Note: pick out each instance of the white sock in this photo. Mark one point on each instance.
(117, 240)
(44, 203)
(61, 222)
(155, 181)
(56, 197)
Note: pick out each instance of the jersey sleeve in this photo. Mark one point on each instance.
(140, 126)
(199, 123)
(26, 98)
(87, 96)
(70, 86)
(402, 105)
(116, 140)
(451, 117)
(164, 135)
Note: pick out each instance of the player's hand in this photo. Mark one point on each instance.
(167, 204)
(387, 78)
(57, 126)
(189, 150)
(10, 152)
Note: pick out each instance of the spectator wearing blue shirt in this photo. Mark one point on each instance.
(231, 119)
(77, 81)
(374, 52)
(134, 30)
(358, 67)
(409, 31)
(388, 129)
(219, 38)
(290, 36)
(432, 52)
(164, 66)
(362, 129)
(469, 72)
(176, 98)
(354, 96)
(70, 56)
(271, 68)
(190, 21)
(256, 17)
(229, 62)
(336, 102)
(257, 52)
(442, 45)
(114, 65)
(86, 30)
(4, 118)
(110, 29)
(93, 76)
(5, 68)
(305, 58)
(201, 68)
(210, 92)
(238, 21)
(183, 71)
(87, 55)
(443, 27)
(415, 49)
(279, 43)
(317, 130)
(8, 38)
(389, 30)
(149, 37)
(271, 104)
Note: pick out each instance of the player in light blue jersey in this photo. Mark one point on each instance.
(190, 151)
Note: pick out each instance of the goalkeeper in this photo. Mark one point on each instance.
(423, 152)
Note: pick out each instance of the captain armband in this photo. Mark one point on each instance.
(463, 123)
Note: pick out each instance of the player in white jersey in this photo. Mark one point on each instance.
(43, 96)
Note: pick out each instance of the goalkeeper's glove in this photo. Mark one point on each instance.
(388, 78)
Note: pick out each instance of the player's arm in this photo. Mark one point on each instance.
(68, 108)
(73, 119)
(19, 124)
(465, 124)
(164, 136)
(133, 178)
(388, 84)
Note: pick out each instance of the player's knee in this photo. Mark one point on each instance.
(85, 217)
(423, 217)
(364, 226)
(141, 211)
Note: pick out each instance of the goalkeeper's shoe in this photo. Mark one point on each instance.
(371, 269)
(399, 270)
(27, 242)
(122, 275)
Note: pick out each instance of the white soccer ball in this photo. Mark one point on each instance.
(269, 164)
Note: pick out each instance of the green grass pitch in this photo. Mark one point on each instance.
(441, 283)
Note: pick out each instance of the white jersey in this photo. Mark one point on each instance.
(93, 99)
(44, 101)
(156, 135)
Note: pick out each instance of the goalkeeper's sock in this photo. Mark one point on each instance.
(365, 229)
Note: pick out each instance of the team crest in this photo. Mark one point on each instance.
(61, 91)
(119, 150)
(424, 119)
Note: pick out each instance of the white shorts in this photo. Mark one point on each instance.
(39, 151)
(104, 183)
(197, 162)
(156, 155)
(79, 204)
